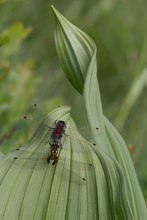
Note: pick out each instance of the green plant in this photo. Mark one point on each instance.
(16, 83)
(111, 189)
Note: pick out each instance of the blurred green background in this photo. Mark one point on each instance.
(30, 71)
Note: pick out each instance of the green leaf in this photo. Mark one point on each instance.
(109, 140)
(133, 95)
(16, 32)
(133, 191)
(1, 155)
(106, 137)
(93, 106)
(75, 50)
(30, 188)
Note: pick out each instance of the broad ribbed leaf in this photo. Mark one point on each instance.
(109, 140)
(133, 191)
(75, 50)
(106, 137)
(93, 106)
(84, 184)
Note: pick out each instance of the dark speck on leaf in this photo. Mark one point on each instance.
(90, 164)
(14, 158)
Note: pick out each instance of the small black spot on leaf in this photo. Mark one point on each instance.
(15, 158)
(90, 164)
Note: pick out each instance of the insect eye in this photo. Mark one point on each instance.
(62, 122)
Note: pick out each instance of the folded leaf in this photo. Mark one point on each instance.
(104, 134)
(75, 50)
(69, 190)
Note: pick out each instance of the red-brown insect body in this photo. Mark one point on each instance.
(58, 131)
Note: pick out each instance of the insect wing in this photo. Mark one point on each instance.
(32, 158)
(29, 159)
(67, 167)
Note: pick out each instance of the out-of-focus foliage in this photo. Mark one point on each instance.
(29, 71)
(16, 83)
